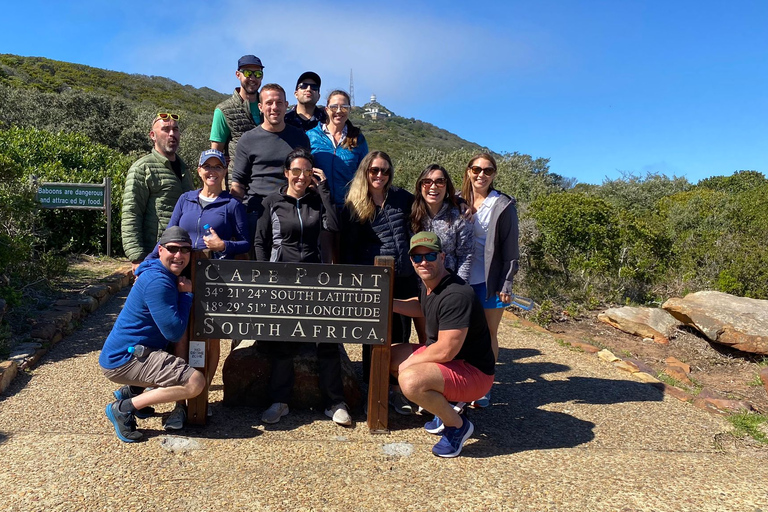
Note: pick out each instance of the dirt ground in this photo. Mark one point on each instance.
(729, 372)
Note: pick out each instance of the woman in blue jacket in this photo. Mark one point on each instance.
(229, 234)
(338, 146)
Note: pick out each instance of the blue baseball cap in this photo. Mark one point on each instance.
(212, 153)
(249, 60)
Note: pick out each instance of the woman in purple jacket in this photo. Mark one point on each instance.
(227, 236)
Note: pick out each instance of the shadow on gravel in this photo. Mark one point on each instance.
(515, 422)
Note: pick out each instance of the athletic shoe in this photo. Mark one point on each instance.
(400, 404)
(482, 403)
(124, 393)
(125, 425)
(436, 426)
(276, 411)
(453, 439)
(176, 419)
(339, 414)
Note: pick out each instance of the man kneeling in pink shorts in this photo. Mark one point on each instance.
(456, 364)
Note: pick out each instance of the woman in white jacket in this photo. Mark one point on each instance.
(496, 252)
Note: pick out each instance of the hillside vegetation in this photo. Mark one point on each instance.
(636, 239)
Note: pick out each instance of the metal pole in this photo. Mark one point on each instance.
(108, 208)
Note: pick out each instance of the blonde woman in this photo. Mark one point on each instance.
(375, 222)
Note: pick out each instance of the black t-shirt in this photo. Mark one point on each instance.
(454, 305)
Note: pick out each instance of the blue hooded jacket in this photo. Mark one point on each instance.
(155, 313)
(338, 163)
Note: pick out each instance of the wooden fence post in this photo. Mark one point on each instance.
(378, 385)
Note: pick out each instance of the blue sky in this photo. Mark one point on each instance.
(600, 87)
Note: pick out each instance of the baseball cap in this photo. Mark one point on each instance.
(212, 153)
(426, 239)
(249, 60)
(175, 234)
(308, 74)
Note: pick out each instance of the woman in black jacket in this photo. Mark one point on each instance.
(375, 222)
(289, 231)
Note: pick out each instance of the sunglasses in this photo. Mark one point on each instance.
(312, 87)
(488, 171)
(297, 171)
(166, 116)
(439, 182)
(213, 168)
(418, 258)
(255, 73)
(385, 171)
(338, 108)
(173, 249)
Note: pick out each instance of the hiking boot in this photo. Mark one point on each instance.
(400, 404)
(339, 414)
(276, 411)
(453, 439)
(176, 419)
(124, 393)
(124, 423)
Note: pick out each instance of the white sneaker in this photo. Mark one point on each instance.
(339, 414)
(276, 411)
(177, 418)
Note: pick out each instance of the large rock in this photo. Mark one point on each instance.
(645, 322)
(738, 322)
(246, 376)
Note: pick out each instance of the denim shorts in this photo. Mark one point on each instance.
(492, 303)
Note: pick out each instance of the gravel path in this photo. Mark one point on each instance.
(565, 432)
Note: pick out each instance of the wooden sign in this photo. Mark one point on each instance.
(307, 302)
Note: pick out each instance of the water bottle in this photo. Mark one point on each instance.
(207, 232)
(137, 350)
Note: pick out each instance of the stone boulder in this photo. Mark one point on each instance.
(645, 322)
(737, 322)
(246, 377)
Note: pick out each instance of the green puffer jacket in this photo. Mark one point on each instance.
(151, 192)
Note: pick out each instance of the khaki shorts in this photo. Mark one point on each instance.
(156, 369)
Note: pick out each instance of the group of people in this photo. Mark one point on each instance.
(301, 186)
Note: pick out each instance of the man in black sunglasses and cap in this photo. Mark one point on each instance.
(156, 312)
(456, 364)
(240, 112)
(305, 114)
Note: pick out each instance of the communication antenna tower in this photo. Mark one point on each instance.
(351, 89)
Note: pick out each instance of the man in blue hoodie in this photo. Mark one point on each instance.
(156, 312)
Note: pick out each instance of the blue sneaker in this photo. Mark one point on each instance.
(453, 439)
(482, 403)
(125, 425)
(124, 393)
(436, 426)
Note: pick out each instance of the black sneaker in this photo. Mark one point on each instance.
(124, 393)
(124, 423)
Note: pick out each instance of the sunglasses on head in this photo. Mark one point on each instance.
(167, 115)
(385, 171)
(255, 73)
(439, 182)
(418, 258)
(173, 249)
(488, 171)
(298, 171)
(338, 108)
(312, 87)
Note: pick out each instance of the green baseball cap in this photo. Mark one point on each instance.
(426, 239)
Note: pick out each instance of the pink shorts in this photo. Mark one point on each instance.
(462, 381)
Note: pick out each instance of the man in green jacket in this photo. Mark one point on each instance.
(153, 185)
